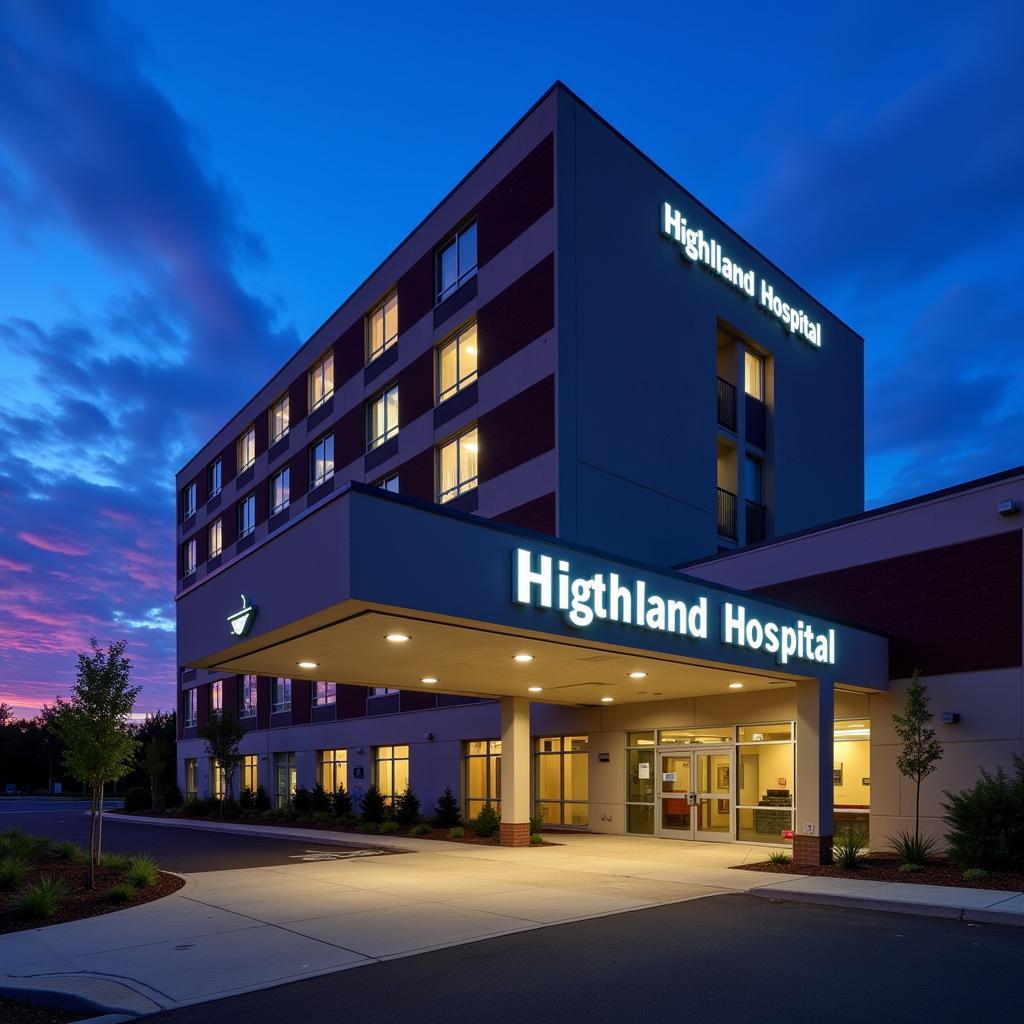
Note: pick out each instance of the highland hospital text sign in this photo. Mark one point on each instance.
(540, 581)
(698, 248)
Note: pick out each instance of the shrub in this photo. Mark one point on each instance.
(487, 822)
(16, 843)
(123, 892)
(261, 802)
(986, 821)
(12, 871)
(231, 808)
(211, 805)
(137, 798)
(370, 827)
(912, 849)
(171, 795)
(341, 803)
(910, 869)
(975, 875)
(40, 899)
(389, 828)
(302, 801)
(193, 808)
(373, 806)
(536, 839)
(421, 829)
(456, 833)
(780, 857)
(247, 800)
(116, 861)
(141, 871)
(849, 848)
(447, 813)
(323, 817)
(536, 823)
(70, 852)
(321, 799)
(407, 807)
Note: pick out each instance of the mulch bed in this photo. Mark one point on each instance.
(29, 1013)
(440, 834)
(79, 901)
(880, 867)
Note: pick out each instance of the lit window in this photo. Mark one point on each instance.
(561, 780)
(191, 777)
(280, 488)
(188, 501)
(457, 466)
(248, 697)
(246, 449)
(332, 769)
(216, 697)
(382, 327)
(279, 416)
(247, 515)
(285, 778)
(389, 483)
(189, 557)
(753, 375)
(323, 693)
(191, 708)
(483, 776)
(321, 460)
(216, 537)
(250, 773)
(216, 779)
(382, 422)
(456, 261)
(321, 382)
(456, 363)
(392, 775)
(282, 698)
(215, 473)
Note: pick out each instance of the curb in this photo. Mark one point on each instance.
(113, 1000)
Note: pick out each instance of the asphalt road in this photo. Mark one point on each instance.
(176, 849)
(729, 958)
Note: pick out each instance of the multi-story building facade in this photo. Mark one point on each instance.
(569, 354)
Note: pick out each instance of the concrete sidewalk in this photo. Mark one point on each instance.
(233, 931)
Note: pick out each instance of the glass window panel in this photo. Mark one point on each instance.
(376, 332)
(476, 747)
(575, 777)
(551, 813)
(765, 733)
(640, 820)
(447, 369)
(402, 751)
(640, 739)
(764, 825)
(754, 474)
(467, 250)
(549, 785)
(448, 271)
(448, 471)
(765, 774)
(467, 354)
(576, 814)
(391, 319)
(753, 375)
(640, 776)
(476, 777)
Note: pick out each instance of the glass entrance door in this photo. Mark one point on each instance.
(694, 794)
(675, 796)
(713, 798)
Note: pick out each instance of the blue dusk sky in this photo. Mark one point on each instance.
(187, 189)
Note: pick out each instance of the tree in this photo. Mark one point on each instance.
(921, 751)
(447, 813)
(6, 714)
(93, 724)
(374, 806)
(155, 757)
(223, 734)
(407, 807)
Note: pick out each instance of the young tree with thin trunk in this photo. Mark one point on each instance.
(93, 725)
(155, 756)
(921, 751)
(223, 734)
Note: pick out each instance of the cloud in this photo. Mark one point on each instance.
(48, 544)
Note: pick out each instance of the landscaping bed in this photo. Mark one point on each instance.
(881, 867)
(42, 883)
(29, 1013)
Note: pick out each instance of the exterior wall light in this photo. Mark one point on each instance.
(396, 638)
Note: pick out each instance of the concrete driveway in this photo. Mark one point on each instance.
(231, 931)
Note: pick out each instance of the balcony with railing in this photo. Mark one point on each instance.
(726, 405)
(726, 514)
(756, 522)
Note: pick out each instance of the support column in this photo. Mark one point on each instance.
(812, 832)
(515, 771)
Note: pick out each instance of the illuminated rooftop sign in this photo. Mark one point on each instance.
(540, 581)
(695, 246)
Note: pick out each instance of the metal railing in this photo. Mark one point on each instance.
(726, 513)
(757, 522)
(726, 404)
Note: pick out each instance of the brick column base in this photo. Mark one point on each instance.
(515, 833)
(811, 851)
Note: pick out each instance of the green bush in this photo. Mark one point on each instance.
(910, 869)
(137, 798)
(536, 839)
(407, 807)
(12, 871)
(171, 796)
(230, 809)
(341, 803)
(141, 871)
(371, 827)
(193, 808)
(536, 823)
(323, 817)
(849, 849)
(975, 875)
(457, 833)
(447, 813)
(16, 843)
(487, 822)
(373, 806)
(116, 861)
(211, 806)
(911, 850)
(41, 899)
(71, 852)
(261, 802)
(247, 800)
(389, 828)
(302, 801)
(780, 857)
(123, 892)
(986, 821)
(321, 799)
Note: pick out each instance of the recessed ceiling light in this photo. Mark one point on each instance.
(308, 664)
(428, 679)
(735, 686)
(607, 700)
(637, 675)
(396, 638)
(522, 657)
(535, 689)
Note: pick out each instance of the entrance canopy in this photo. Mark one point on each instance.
(487, 610)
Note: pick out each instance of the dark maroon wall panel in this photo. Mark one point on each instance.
(416, 292)
(416, 476)
(298, 466)
(350, 437)
(301, 699)
(202, 704)
(920, 601)
(525, 194)
(416, 388)
(349, 354)
(297, 399)
(180, 717)
(263, 702)
(518, 315)
(229, 525)
(230, 690)
(351, 701)
(538, 515)
(518, 430)
(261, 427)
(414, 700)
